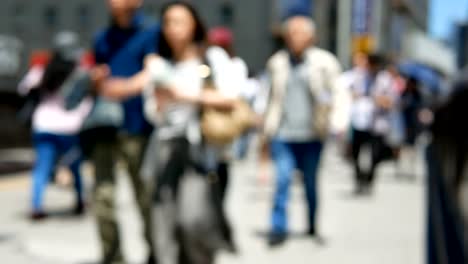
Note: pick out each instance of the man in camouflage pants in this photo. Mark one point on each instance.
(119, 52)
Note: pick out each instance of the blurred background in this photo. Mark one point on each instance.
(387, 228)
(430, 31)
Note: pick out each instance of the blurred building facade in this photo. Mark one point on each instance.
(249, 20)
(376, 25)
(343, 25)
(462, 44)
(34, 22)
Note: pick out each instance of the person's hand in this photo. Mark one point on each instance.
(151, 58)
(164, 97)
(158, 69)
(426, 117)
(264, 150)
(258, 121)
(384, 101)
(98, 75)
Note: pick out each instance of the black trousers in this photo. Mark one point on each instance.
(223, 177)
(175, 160)
(360, 140)
(379, 152)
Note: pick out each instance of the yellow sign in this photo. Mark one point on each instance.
(365, 44)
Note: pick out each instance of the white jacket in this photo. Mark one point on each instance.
(324, 87)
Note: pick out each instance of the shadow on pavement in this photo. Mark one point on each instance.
(9, 167)
(4, 238)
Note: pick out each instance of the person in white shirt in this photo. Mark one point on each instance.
(174, 98)
(360, 80)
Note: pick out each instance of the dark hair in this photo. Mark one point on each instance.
(56, 72)
(199, 35)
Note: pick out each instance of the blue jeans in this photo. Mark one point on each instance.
(49, 148)
(287, 157)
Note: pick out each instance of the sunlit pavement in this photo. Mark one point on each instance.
(387, 227)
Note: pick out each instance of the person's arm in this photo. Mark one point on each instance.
(121, 88)
(341, 98)
(207, 98)
(382, 92)
(31, 80)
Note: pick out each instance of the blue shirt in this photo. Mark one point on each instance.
(124, 50)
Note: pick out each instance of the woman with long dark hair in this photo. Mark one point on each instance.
(55, 128)
(174, 101)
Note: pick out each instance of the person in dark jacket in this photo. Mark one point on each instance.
(119, 51)
(447, 159)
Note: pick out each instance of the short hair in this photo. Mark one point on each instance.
(309, 23)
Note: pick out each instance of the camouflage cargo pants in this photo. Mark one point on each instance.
(105, 155)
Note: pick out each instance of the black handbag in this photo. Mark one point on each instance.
(26, 112)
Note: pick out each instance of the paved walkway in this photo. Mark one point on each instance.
(385, 228)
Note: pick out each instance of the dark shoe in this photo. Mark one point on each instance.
(312, 233)
(151, 259)
(276, 239)
(368, 190)
(360, 190)
(38, 216)
(319, 240)
(79, 210)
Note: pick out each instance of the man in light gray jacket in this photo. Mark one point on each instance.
(300, 110)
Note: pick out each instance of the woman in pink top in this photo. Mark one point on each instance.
(55, 128)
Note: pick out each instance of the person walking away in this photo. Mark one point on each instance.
(303, 79)
(388, 123)
(120, 50)
(412, 104)
(221, 37)
(231, 78)
(55, 128)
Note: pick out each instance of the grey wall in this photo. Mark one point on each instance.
(251, 25)
(28, 20)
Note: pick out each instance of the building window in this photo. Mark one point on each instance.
(151, 10)
(83, 16)
(227, 14)
(18, 18)
(290, 7)
(50, 16)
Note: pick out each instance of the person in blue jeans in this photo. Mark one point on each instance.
(49, 148)
(296, 122)
(287, 156)
(55, 129)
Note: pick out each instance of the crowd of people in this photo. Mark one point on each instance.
(171, 100)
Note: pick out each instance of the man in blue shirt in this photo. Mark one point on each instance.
(120, 50)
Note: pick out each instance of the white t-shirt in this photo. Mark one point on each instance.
(182, 119)
(363, 106)
(177, 119)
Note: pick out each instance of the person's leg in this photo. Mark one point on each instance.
(71, 150)
(46, 153)
(104, 156)
(358, 141)
(308, 157)
(284, 164)
(377, 149)
(223, 176)
(133, 150)
(75, 168)
(171, 162)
